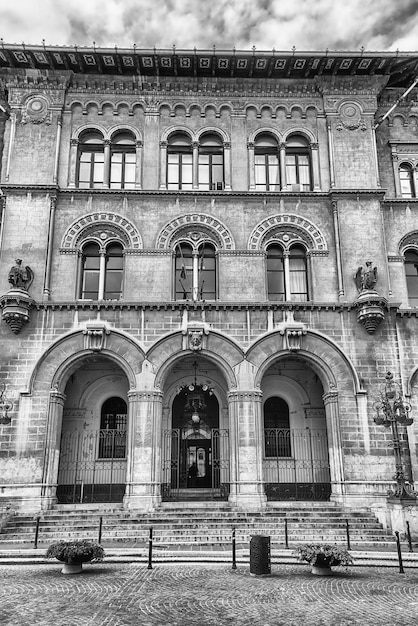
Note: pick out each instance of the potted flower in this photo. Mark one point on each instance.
(74, 553)
(322, 556)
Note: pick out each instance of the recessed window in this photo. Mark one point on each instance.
(195, 272)
(179, 162)
(90, 161)
(411, 272)
(113, 418)
(298, 163)
(101, 272)
(211, 163)
(266, 161)
(287, 273)
(406, 179)
(277, 442)
(122, 162)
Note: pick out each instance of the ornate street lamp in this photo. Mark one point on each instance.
(392, 410)
(195, 407)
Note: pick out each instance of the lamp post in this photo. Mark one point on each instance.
(5, 407)
(391, 410)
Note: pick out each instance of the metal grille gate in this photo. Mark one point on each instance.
(211, 456)
(92, 466)
(296, 464)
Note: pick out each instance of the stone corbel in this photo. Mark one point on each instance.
(292, 332)
(16, 305)
(95, 337)
(371, 309)
(195, 337)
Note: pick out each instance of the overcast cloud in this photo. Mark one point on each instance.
(265, 24)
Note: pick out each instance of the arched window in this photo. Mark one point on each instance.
(122, 161)
(287, 273)
(90, 161)
(277, 440)
(406, 178)
(266, 161)
(298, 281)
(179, 162)
(211, 162)
(298, 163)
(195, 272)
(411, 271)
(113, 418)
(275, 273)
(101, 272)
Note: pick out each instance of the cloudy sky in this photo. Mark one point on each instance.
(265, 24)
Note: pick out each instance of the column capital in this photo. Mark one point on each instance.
(331, 397)
(249, 395)
(57, 397)
(150, 395)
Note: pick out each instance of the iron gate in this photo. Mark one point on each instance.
(92, 466)
(296, 464)
(182, 449)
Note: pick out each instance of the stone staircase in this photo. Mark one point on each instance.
(182, 525)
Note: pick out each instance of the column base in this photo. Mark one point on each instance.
(249, 501)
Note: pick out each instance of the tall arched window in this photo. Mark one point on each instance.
(411, 271)
(406, 178)
(275, 273)
(179, 162)
(101, 272)
(298, 280)
(113, 418)
(90, 161)
(277, 440)
(266, 161)
(298, 163)
(211, 162)
(122, 161)
(287, 273)
(195, 272)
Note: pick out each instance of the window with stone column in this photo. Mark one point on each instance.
(101, 270)
(90, 160)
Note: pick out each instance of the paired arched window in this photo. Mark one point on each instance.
(411, 271)
(287, 166)
(195, 272)
(195, 166)
(407, 180)
(277, 441)
(113, 419)
(90, 160)
(266, 163)
(101, 272)
(287, 273)
(106, 164)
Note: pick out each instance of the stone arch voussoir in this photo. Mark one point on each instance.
(198, 221)
(102, 219)
(270, 225)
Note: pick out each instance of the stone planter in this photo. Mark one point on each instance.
(72, 568)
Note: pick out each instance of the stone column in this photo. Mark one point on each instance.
(163, 165)
(227, 165)
(52, 449)
(247, 489)
(315, 167)
(195, 165)
(251, 165)
(106, 164)
(138, 164)
(144, 450)
(334, 445)
(72, 165)
(282, 153)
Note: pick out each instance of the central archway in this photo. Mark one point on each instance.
(195, 435)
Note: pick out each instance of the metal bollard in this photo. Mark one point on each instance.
(100, 529)
(234, 554)
(35, 541)
(398, 545)
(286, 536)
(260, 564)
(150, 549)
(408, 534)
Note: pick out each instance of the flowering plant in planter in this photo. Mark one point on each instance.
(74, 553)
(323, 554)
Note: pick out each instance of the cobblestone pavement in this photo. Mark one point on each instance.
(205, 595)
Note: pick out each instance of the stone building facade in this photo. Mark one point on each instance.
(217, 265)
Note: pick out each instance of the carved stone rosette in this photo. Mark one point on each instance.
(16, 305)
(371, 309)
